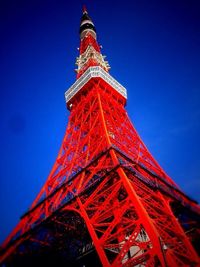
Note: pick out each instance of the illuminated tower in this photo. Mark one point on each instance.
(106, 202)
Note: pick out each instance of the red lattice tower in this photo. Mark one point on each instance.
(106, 202)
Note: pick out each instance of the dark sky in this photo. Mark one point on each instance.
(153, 48)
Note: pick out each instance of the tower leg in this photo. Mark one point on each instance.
(93, 235)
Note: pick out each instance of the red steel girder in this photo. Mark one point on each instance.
(101, 173)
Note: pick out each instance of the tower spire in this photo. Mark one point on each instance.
(86, 25)
(84, 9)
(90, 50)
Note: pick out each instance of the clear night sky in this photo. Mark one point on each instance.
(153, 48)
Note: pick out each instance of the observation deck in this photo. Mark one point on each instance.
(91, 73)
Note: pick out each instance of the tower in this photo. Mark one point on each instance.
(106, 199)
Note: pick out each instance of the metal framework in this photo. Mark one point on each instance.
(106, 198)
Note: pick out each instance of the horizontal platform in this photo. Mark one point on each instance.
(94, 72)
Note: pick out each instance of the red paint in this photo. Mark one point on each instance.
(128, 213)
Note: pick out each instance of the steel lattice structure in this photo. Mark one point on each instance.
(106, 198)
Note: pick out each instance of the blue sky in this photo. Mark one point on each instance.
(153, 50)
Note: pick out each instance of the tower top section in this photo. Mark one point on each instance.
(92, 69)
(90, 51)
(86, 26)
